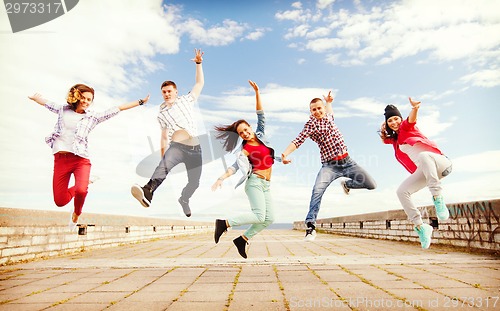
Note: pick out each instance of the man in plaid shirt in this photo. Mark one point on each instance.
(336, 162)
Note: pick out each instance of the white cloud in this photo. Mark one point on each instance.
(299, 31)
(257, 34)
(483, 78)
(218, 35)
(445, 30)
(70, 48)
(323, 4)
(367, 106)
(484, 162)
(318, 32)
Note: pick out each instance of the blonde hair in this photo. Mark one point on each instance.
(75, 94)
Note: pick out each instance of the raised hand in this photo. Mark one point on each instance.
(198, 56)
(254, 85)
(414, 103)
(145, 100)
(328, 98)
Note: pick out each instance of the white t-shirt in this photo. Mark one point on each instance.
(67, 138)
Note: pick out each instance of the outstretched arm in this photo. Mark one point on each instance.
(38, 99)
(133, 104)
(258, 103)
(291, 148)
(329, 100)
(199, 78)
(218, 183)
(412, 117)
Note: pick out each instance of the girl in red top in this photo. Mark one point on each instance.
(255, 161)
(423, 159)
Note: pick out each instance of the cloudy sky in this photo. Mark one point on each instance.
(368, 53)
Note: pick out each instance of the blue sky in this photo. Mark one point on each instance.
(369, 53)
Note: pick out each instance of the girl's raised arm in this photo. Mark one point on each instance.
(412, 117)
(258, 102)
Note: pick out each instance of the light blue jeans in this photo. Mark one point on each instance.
(262, 214)
(358, 179)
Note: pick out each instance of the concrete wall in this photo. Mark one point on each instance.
(473, 225)
(32, 234)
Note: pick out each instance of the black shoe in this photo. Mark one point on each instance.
(185, 207)
(142, 194)
(241, 243)
(310, 225)
(220, 228)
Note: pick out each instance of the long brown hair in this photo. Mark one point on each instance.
(75, 94)
(226, 133)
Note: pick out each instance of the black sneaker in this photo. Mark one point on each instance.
(241, 243)
(310, 225)
(185, 207)
(220, 228)
(142, 194)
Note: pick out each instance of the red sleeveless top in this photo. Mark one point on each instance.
(259, 156)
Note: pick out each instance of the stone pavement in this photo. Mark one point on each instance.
(282, 273)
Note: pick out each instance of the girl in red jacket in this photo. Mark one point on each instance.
(423, 159)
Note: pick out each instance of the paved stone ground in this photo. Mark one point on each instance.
(282, 273)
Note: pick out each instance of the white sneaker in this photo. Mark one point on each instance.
(310, 235)
(425, 235)
(72, 225)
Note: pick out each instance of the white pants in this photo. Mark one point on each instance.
(430, 168)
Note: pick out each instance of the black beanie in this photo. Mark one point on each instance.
(391, 111)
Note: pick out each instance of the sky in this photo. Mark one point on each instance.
(368, 53)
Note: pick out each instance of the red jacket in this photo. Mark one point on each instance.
(409, 134)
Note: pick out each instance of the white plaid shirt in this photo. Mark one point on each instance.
(179, 116)
(326, 134)
(83, 127)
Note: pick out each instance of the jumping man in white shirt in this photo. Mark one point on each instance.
(179, 140)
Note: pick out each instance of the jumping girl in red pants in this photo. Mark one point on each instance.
(69, 143)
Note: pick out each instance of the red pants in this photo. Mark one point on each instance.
(66, 164)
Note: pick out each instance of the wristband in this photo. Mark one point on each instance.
(141, 102)
(198, 63)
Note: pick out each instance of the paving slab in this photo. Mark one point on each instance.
(282, 272)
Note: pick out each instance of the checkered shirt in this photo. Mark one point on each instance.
(83, 127)
(326, 134)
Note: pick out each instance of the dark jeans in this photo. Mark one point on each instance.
(175, 154)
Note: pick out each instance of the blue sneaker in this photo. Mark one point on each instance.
(441, 209)
(424, 234)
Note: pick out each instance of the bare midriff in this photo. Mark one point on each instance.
(265, 174)
(183, 137)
